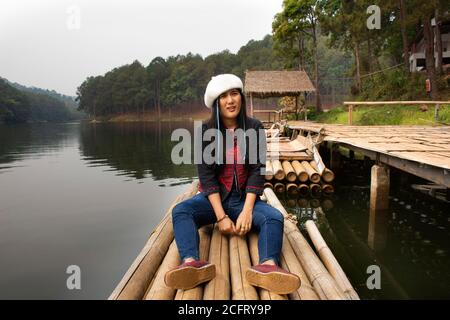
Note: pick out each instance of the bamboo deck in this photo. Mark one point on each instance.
(284, 149)
(423, 145)
(321, 276)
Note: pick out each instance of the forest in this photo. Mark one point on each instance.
(19, 103)
(356, 48)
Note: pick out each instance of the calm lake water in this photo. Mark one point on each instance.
(90, 194)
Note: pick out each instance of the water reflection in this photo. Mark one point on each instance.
(23, 141)
(412, 238)
(81, 194)
(137, 151)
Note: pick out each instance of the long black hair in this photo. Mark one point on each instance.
(215, 122)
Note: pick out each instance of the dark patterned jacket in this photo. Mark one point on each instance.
(247, 177)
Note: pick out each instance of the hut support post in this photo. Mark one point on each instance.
(335, 158)
(379, 205)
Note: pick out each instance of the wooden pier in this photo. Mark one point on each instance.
(423, 151)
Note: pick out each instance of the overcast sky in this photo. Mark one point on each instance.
(47, 44)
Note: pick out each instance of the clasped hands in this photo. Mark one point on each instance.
(243, 224)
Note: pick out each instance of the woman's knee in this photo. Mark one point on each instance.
(272, 214)
(181, 208)
(276, 215)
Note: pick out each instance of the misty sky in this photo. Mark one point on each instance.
(43, 43)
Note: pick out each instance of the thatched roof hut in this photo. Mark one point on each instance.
(262, 84)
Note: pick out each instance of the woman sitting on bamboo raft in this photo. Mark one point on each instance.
(229, 195)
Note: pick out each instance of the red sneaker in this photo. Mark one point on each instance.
(272, 278)
(190, 274)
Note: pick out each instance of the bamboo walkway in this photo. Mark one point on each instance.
(420, 150)
(321, 276)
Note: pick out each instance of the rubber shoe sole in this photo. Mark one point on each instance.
(189, 277)
(277, 282)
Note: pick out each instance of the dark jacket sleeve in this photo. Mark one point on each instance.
(206, 172)
(255, 182)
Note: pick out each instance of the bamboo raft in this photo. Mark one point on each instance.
(321, 276)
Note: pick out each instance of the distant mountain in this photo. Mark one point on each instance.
(19, 103)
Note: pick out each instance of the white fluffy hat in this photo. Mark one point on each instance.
(219, 84)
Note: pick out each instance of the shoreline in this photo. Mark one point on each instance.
(148, 118)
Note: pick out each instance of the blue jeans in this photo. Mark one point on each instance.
(193, 213)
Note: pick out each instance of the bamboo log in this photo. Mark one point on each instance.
(140, 274)
(303, 203)
(315, 188)
(268, 185)
(327, 204)
(322, 281)
(327, 188)
(263, 197)
(219, 287)
(313, 175)
(278, 170)
(239, 263)
(158, 289)
(289, 171)
(253, 246)
(290, 263)
(269, 170)
(292, 188)
(327, 174)
(205, 241)
(303, 189)
(300, 171)
(330, 261)
(279, 187)
(291, 203)
(314, 203)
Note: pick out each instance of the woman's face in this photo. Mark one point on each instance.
(230, 104)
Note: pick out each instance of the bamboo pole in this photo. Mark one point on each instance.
(315, 188)
(327, 188)
(278, 170)
(318, 275)
(330, 261)
(253, 246)
(314, 203)
(205, 242)
(303, 189)
(292, 188)
(313, 175)
(263, 198)
(269, 170)
(138, 277)
(289, 172)
(239, 263)
(158, 289)
(279, 187)
(268, 185)
(219, 287)
(327, 174)
(291, 203)
(303, 203)
(290, 263)
(300, 171)
(327, 204)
